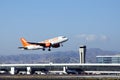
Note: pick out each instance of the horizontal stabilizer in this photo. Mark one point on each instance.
(22, 48)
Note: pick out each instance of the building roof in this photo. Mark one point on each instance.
(69, 64)
(109, 55)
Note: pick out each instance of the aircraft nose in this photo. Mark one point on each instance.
(66, 39)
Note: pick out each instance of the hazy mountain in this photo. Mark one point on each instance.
(55, 57)
(93, 52)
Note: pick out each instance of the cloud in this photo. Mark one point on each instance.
(92, 37)
(104, 38)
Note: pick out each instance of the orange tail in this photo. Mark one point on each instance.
(24, 42)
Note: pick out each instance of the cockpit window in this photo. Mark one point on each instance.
(63, 37)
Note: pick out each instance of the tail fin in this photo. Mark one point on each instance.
(24, 42)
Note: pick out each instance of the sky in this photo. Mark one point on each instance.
(94, 23)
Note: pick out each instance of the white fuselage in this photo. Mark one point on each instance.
(34, 47)
(52, 42)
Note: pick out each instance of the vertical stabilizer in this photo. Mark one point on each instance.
(24, 42)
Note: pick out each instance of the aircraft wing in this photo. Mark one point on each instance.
(41, 44)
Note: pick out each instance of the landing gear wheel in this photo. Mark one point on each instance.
(49, 49)
(43, 49)
(62, 45)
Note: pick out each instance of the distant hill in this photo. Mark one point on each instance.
(93, 52)
(55, 57)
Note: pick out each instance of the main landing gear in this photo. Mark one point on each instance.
(48, 49)
(43, 49)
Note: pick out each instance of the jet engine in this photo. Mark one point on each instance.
(56, 45)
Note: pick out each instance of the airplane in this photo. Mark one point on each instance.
(54, 43)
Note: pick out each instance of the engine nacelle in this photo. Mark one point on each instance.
(47, 44)
(56, 45)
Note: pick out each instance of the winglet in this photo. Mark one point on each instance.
(24, 42)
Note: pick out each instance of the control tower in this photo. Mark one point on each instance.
(82, 53)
